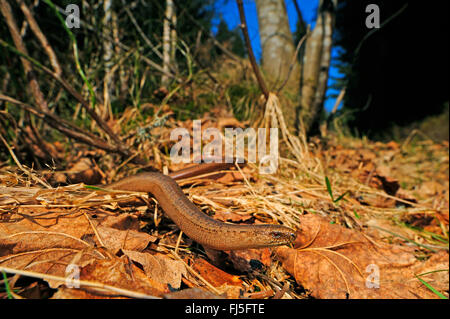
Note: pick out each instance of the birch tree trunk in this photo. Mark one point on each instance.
(173, 39)
(166, 42)
(278, 50)
(316, 65)
(322, 82)
(107, 59)
(277, 43)
(122, 74)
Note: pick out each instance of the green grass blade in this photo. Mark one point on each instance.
(340, 197)
(431, 288)
(95, 188)
(330, 191)
(405, 238)
(327, 182)
(7, 288)
(432, 272)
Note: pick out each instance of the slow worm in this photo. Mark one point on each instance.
(210, 233)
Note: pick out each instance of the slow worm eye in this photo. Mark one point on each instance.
(276, 234)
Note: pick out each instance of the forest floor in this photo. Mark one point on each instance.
(372, 221)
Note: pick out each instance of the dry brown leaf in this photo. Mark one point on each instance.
(376, 200)
(227, 216)
(393, 145)
(214, 275)
(116, 272)
(435, 271)
(335, 262)
(231, 285)
(115, 239)
(430, 188)
(70, 293)
(192, 293)
(123, 221)
(43, 242)
(84, 171)
(159, 267)
(235, 176)
(248, 259)
(47, 241)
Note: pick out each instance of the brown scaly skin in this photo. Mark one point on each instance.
(198, 226)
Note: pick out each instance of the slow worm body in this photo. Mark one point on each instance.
(198, 226)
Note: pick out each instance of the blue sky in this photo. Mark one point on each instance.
(229, 11)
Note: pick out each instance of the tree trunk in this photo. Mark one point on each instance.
(107, 59)
(166, 42)
(316, 65)
(278, 50)
(324, 68)
(173, 38)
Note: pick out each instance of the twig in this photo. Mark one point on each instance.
(6, 11)
(85, 104)
(196, 274)
(299, 15)
(41, 37)
(22, 168)
(102, 124)
(227, 52)
(139, 30)
(63, 126)
(338, 100)
(122, 46)
(377, 29)
(294, 57)
(251, 56)
(75, 54)
(121, 291)
(99, 238)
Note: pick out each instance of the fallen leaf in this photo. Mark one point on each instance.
(115, 239)
(47, 241)
(430, 188)
(227, 216)
(249, 259)
(331, 262)
(159, 267)
(116, 272)
(84, 171)
(192, 293)
(393, 145)
(231, 285)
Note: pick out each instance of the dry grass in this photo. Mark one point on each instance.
(297, 188)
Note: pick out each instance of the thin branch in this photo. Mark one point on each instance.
(63, 126)
(300, 16)
(251, 56)
(227, 52)
(85, 283)
(122, 46)
(368, 34)
(338, 100)
(21, 167)
(41, 37)
(139, 30)
(294, 58)
(6, 11)
(85, 104)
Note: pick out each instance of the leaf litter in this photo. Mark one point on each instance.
(383, 232)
